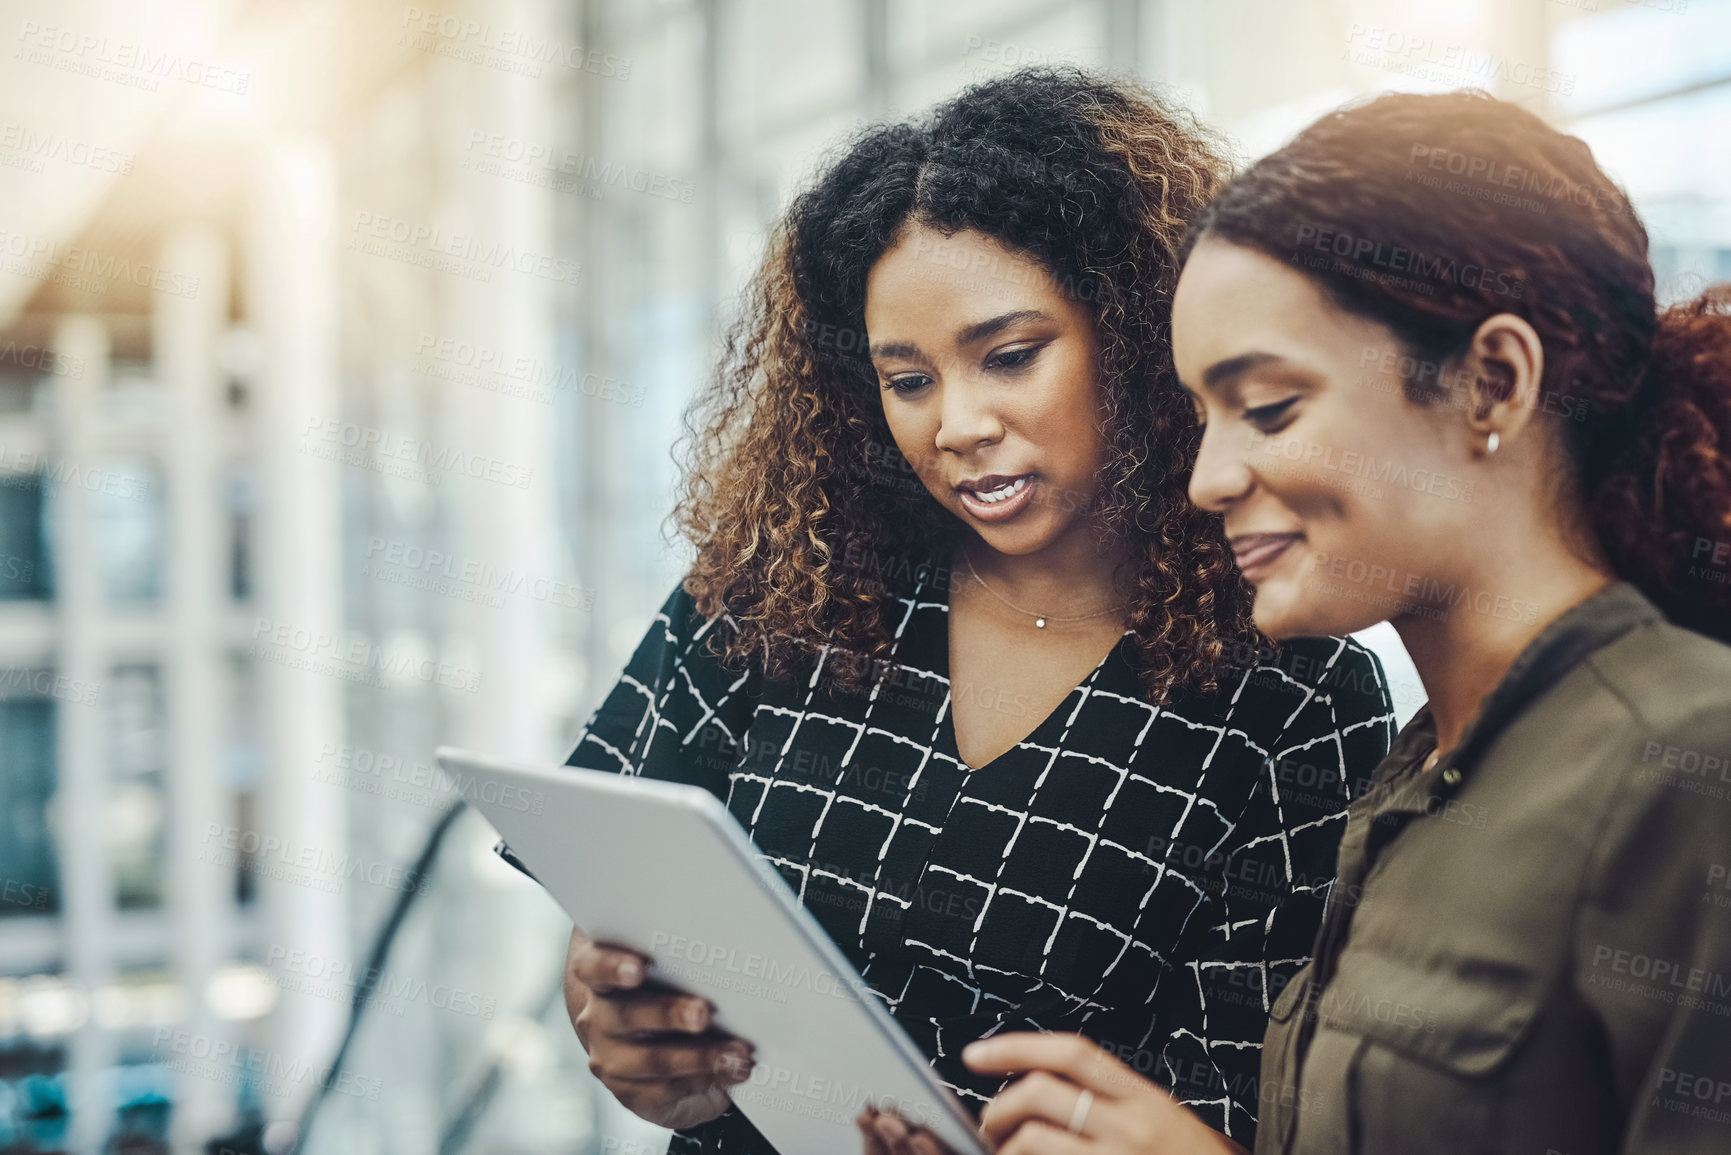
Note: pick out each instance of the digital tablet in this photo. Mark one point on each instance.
(664, 869)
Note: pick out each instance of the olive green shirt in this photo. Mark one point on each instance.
(1527, 949)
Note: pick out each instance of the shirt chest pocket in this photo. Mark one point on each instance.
(1433, 1047)
(1278, 1094)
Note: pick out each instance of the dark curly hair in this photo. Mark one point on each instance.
(1497, 212)
(807, 519)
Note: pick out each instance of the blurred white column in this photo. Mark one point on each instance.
(292, 300)
(184, 344)
(509, 527)
(80, 827)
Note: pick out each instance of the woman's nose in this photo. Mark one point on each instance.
(966, 418)
(1222, 473)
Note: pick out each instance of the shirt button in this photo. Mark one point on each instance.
(1452, 776)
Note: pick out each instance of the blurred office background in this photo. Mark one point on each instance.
(342, 347)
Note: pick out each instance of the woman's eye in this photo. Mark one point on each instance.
(907, 383)
(1265, 414)
(1013, 358)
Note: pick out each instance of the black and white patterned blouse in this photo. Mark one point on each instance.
(1149, 877)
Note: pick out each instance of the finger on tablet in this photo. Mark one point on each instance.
(687, 1014)
(726, 1062)
(866, 1122)
(607, 968)
(904, 1138)
(1076, 1058)
(892, 1132)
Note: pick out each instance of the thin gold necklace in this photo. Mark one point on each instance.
(1040, 620)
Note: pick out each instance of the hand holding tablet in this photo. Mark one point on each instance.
(678, 913)
(654, 1047)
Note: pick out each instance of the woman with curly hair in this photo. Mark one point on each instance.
(1528, 946)
(956, 651)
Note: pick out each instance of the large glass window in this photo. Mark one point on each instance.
(29, 880)
(130, 528)
(25, 573)
(1655, 105)
(135, 809)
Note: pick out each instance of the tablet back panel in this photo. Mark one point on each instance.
(665, 870)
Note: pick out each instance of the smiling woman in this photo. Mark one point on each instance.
(1544, 609)
(1072, 789)
(1525, 947)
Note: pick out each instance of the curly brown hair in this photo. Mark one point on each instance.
(806, 518)
(1649, 442)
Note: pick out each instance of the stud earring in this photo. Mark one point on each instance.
(1491, 443)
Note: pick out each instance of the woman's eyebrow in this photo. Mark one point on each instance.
(904, 349)
(967, 335)
(980, 330)
(1222, 371)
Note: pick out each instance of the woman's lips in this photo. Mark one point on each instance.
(1257, 552)
(1002, 509)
